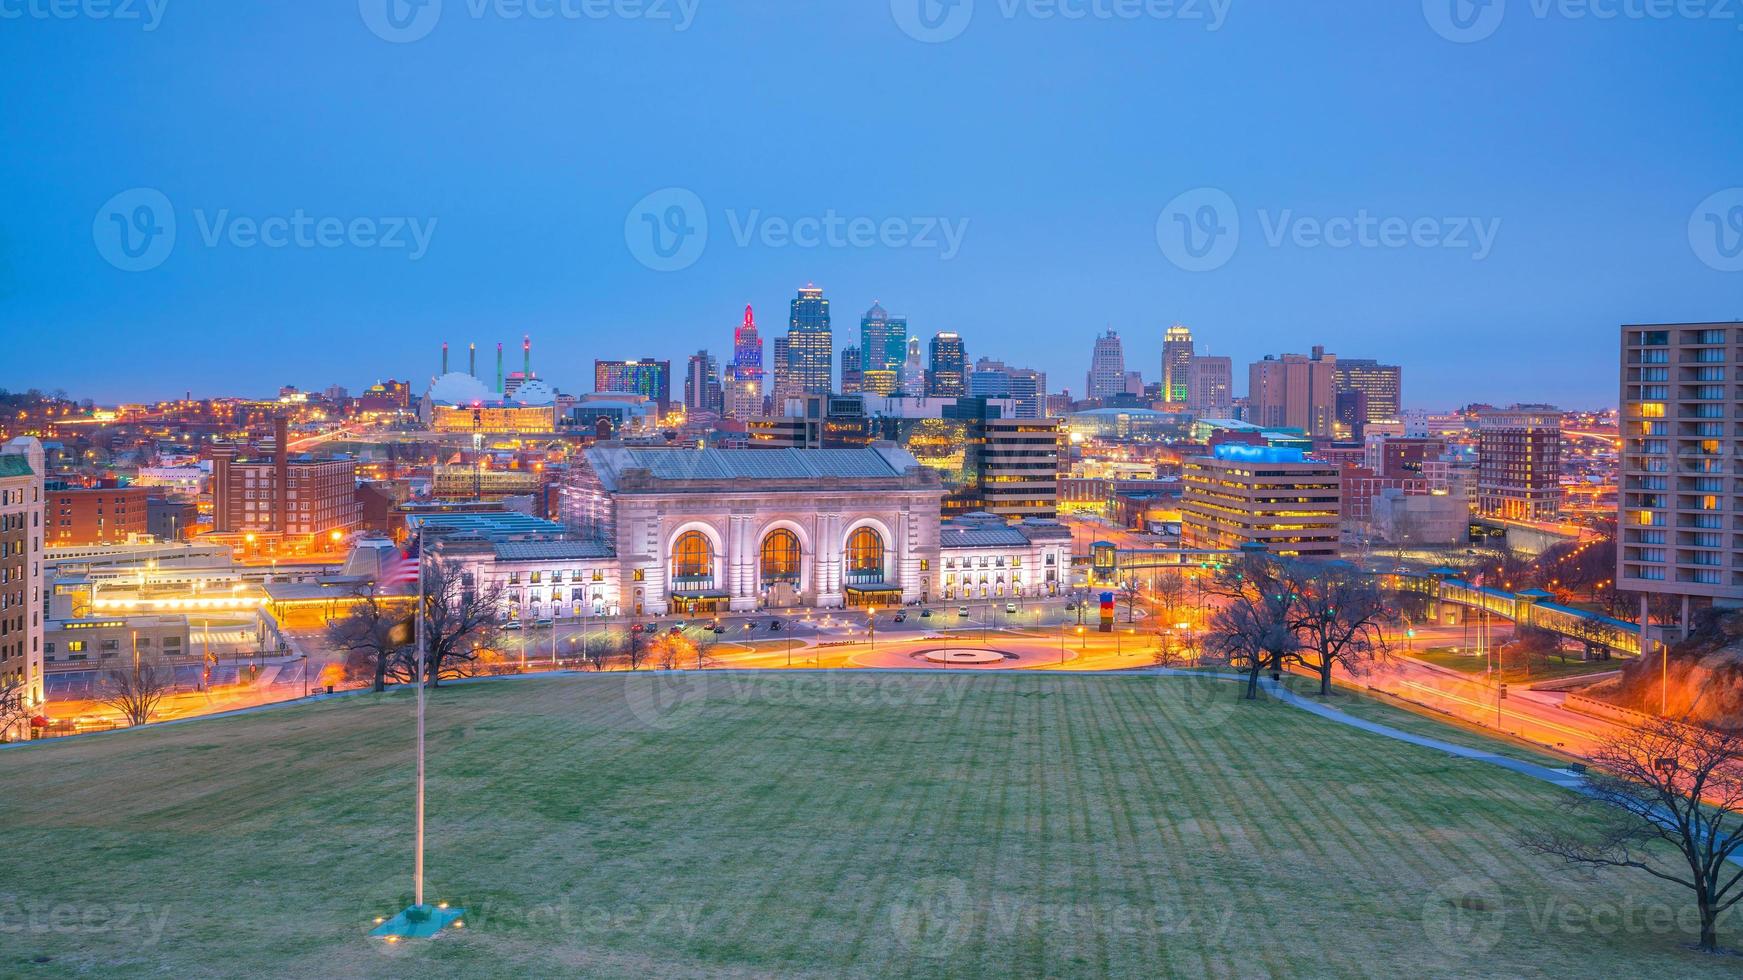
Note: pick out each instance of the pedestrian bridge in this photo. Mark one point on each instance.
(1531, 608)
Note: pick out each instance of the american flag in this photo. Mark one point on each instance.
(401, 569)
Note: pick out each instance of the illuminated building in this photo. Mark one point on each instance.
(1519, 463)
(94, 515)
(1107, 368)
(1177, 348)
(852, 373)
(647, 377)
(947, 375)
(459, 402)
(914, 371)
(883, 340)
(297, 496)
(1679, 507)
(1380, 384)
(702, 391)
(482, 482)
(881, 382)
(1019, 467)
(810, 344)
(1253, 495)
(1210, 387)
(21, 559)
(982, 556)
(703, 531)
(782, 387)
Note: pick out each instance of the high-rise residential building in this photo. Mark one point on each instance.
(1382, 384)
(852, 371)
(1519, 463)
(783, 386)
(1679, 504)
(947, 375)
(810, 344)
(1177, 352)
(1259, 495)
(743, 384)
(883, 340)
(1295, 391)
(702, 387)
(283, 493)
(1210, 387)
(647, 376)
(1107, 367)
(22, 464)
(914, 371)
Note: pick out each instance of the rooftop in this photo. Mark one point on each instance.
(682, 465)
(550, 550)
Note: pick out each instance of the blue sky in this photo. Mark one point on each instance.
(1548, 174)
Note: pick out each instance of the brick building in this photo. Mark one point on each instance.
(95, 515)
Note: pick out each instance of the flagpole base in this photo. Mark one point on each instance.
(419, 922)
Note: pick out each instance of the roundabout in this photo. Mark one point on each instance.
(964, 658)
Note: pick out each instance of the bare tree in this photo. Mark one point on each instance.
(14, 709)
(460, 619)
(596, 654)
(637, 652)
(1251, 627)
(134, 691)
(1664, 783)
(1337, 614)
(372, 638)
(1131, 593)
(1168, 597)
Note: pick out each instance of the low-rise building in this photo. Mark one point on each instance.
(1250, 495)
(982, 556)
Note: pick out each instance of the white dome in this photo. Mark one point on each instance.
(456, 388)
(535, 393)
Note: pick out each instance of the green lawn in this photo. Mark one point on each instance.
(801, 824)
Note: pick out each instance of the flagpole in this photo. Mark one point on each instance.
(418, 860)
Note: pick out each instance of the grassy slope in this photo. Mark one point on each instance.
(972, 825)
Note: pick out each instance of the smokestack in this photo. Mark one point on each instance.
(526, 349)
(444, 357)
(472, 360)
(499, 368)
(281, 474)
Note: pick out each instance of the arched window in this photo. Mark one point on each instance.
(692, 556)
(780, 560)
(865, 552)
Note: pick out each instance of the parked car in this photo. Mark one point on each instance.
(638, 628)
(513, 624)
(901, 617)
(962, 612)
(775, 626)
(1010, 607)
(925, 614)
(1071, 607)
(719, 630)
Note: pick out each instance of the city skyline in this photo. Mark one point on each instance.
(535, 240)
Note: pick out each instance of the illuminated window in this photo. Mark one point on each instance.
(1652, 410)
(692, 556)
(780, 557)
(865, 551)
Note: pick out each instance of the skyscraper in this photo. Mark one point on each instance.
(1296, 391)
(702, 391)
(947, 375)
(914, 371)
(783, 387)
(852, 371)
(647, 377)
(1107, 367)
(1210, 387)
(1381, 383)
(883, 340)
(1177, 351)
(810, 344)
(1519, 463)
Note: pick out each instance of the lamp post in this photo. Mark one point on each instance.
(871, 625)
